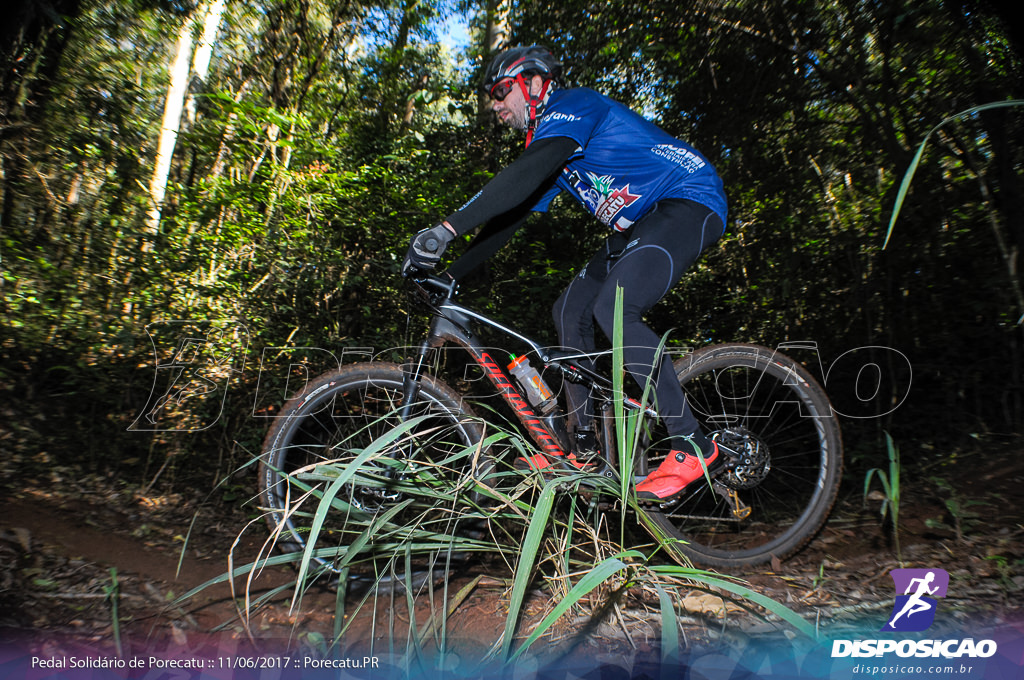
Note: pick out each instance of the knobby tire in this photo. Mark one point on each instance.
(419, 477)
(770, 410)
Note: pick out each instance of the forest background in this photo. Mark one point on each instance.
(323, 133)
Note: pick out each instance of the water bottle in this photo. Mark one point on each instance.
(537, 392)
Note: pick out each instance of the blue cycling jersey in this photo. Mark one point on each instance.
(624, 164)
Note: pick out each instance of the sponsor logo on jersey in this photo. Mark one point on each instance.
(615, 201)
(602, 197)
(559, 116)
(684, 158)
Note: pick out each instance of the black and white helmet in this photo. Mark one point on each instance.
(526, 61)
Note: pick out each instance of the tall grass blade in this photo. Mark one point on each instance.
(113, 596)
(618, 373)
(909, 174)
(629, 426)
(374, 449)
(891, 490)
(339, 607)
(524, 570)
(413, 649)
(590, 581)
(780, 610)
(669, 627)
(430, 627)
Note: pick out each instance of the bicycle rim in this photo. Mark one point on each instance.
(394, 498)
(784, 463)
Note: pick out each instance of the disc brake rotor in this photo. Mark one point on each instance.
(748, 460)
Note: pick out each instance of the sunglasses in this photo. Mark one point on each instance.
(502, 88)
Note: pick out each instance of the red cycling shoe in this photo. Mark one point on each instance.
(676, 472)
(539, 461)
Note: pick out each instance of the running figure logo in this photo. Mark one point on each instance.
(914, 610)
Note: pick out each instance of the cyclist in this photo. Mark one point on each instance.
(663, 201)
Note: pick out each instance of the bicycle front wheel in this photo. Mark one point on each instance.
(388, 499)
(783, 451)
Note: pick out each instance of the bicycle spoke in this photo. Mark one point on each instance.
(404, 496)
(785, 467)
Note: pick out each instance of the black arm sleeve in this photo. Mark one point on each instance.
(491, 238)
(515, 184)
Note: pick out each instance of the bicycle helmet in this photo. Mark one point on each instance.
(526, 61)
(517, 66)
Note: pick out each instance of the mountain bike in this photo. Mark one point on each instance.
(395, 430)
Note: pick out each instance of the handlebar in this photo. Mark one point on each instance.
(436, 289)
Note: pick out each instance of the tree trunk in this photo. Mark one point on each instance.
(177, 92)
(493, 38)
(169, 126)
(392, 87)
(204, 51)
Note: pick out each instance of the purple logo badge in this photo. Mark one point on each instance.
(916, 593)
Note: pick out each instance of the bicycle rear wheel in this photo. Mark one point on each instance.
(784, 458)
(396, 499)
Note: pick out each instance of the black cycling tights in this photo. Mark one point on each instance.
(646, 261)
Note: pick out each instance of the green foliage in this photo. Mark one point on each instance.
(325, 134)
(909, 175)
(960, 511)
(112, 593)
(890, 482)
(527, 524)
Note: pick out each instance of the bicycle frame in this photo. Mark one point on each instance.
(782, 468)
(451, 323)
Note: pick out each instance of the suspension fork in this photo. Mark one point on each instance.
(413, 373)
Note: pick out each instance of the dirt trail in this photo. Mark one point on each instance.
(68, 548)
(58, 545)
(67, 530)
(61, 551)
